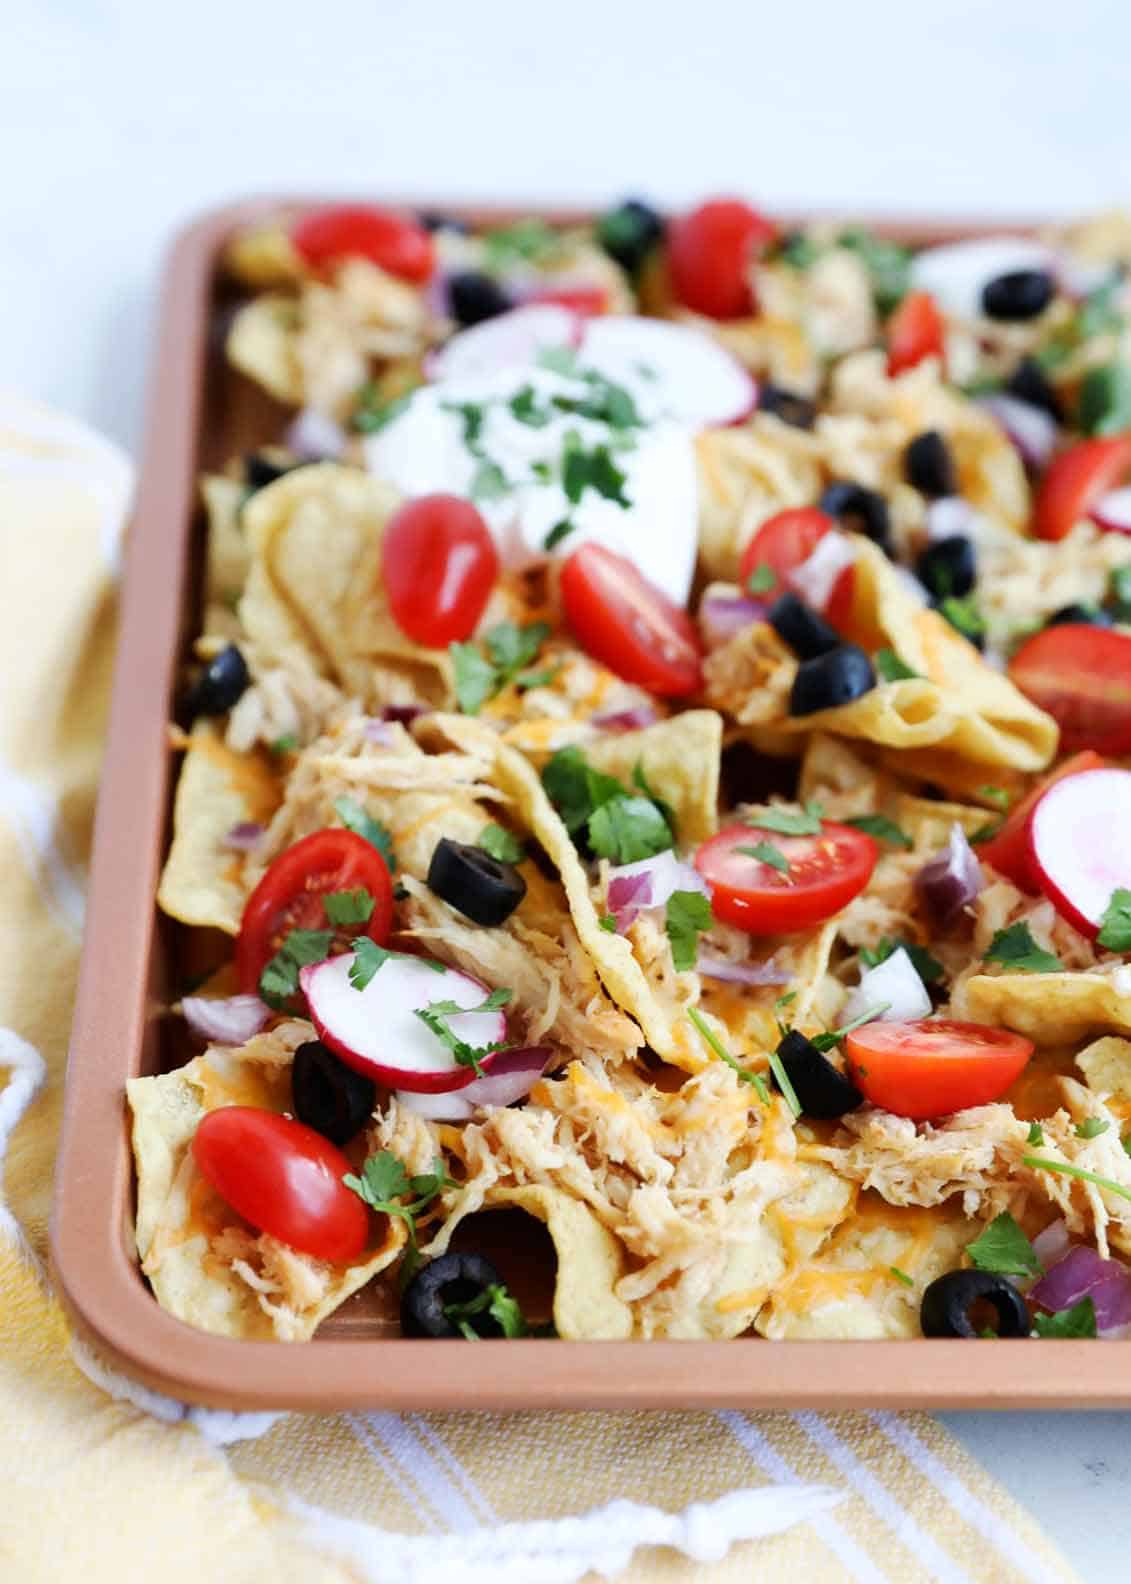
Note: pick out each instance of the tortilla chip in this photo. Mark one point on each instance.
(1106, 1065)
(227, 560)
(851, 1290)
(747, 472)
(203, 879)
(679, 759)
(1052, 1008)
(261, 344)
(316, 535)
(590, 1263)
(264, 256)
(205, 1265)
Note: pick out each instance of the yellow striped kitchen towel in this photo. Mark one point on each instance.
(95, 1486)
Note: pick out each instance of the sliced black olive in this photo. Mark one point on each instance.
(329, 1096)
(821, 1090)
(474, 297)
(630, 232)
(431, 220)
(1019, 294)
(451, 1279)
(929, 466)
(1029, 384)
(948, 566)
(223, 681)
(843, 674)
(480, 887)
(860, 510)
(260, 470)
(787, 405)
(1081, 615)
(796, 624)
(945, 1310)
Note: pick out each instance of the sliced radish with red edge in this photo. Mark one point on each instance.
(680, 371)
(1112, 512)
(1081, 843)
(509, 340)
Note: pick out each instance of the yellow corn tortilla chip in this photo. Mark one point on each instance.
(227, 556)
(1052, 1008)
(851, 1290)
(204, 1264)
(316, 534)
(264, 256)
(261, 344)
(680, 761)
(1106, 1065)
(590, 1263)
(203, 879)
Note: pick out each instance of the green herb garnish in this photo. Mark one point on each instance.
(608, 923)
(891, 668)
(525, 241)
(929, 969)
(1036, 1134)
(1067, 1170)
(888, 265)
(1003, 1248)
(901, 1275)
(826, 1041)
(348, 907)
(369, 958)
(762, 579)
(1091, 1127)
(617, 824)
(287, 744)
(590, 469)
(784, 823)
(489, 482)
(495, 1301)
(561, 530)
(510, 649)
(435, 1016)
(1115, 931)
(767, 853)
(1119, 593)
(1104, 403)
(372, 414)
(996, 795)
(882, 828)
(745, 1075)
(279, 980)
(1016, 949)
(384, 1183)
(964, 616)
(1079, 1321)
(501, 844)
(782, 1078)
(354, 818)
(688, 914)
(525, 407)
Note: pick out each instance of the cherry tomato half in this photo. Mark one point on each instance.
(582, 299)
(783, 542)
(627, 624)
(392, 241)
(439, 565)
(916, 330)
(289, 896)
(933, 1067)
(1074, 481)
(825, 873)
(709, 254)
(1082, 676)
(284, 1178)
(1010, 852)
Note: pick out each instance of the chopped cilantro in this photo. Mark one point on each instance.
(762, 579)
(1104, 404)
(348, 907)
(688, 914)
(561, 530)
(495, 1301)
(1067, 1170)
(368, 957)
(472, 415)
(891, 668)
(641, 782)
(881, 827)
(559, 360)
(1099, 313)
(285, 745)
(1003, 1248)
(435, 1016)
(626, 829)
(501, 844)
(767, 853)
(785, 823)
(532, 679)
(510, 649)
(372, 414)
(279, 980)
(964, 616)
(798, 250)
(590, 469)
(1016, 949)
(604, 402)
(384, 1184)
(985, 832)
(608, 923)
(354, 818)
(523, 241)
(1115, 931)
(996, 795)
(787, 999)
(1091, 1127)
(1079, 1321)
(929, 969)
(489, 482)
(1119, 593)
(525, 407)
(888, 265)
(1036, 1134)
(745, 1075)
(782, 1079)
(901, 1275)
(826, 1041)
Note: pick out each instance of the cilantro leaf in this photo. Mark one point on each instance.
(494, 1301)
(1016, 949)
(929, 969)
(279, 980)
(348, 907)
(286, 744)
(354, 818)
(891, 668)
(964, 616)
(696, 1018)
(996, 795)
(985, 832)
(688, 915)
(1079, 1321)
(1103, 406)
(559, 360)
(525, 407)
(767, 853)
(489, 482)
(888, 265)
(625, 829)
(832, 1037)
(1091, 1127)
(1115, 930)
(372, 413)
(561, 530)
(1036, 1134)
(1003, 1248)
(882, 828)
(1119, 593)
(762, 579)
(593, 469)
(785, 823)
(510, 649)
(782, 1079)
(435, 1017)
(368, 958)
(384, 1184)
(472, 415)
(501, 844)
(608, 923)
(523, 241)
(641, 782)
(476, 678)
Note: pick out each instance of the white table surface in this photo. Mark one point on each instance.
(121, 118)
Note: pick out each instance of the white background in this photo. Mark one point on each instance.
(121, 118)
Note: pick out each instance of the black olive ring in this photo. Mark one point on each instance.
(945, 1310)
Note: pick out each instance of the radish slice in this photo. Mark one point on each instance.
(1081, 843)
(671, 368)
(956, 273)
(509, 340)
(508, 1075)
(375, 1030)
(1112, 512)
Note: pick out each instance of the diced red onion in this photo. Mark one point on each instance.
(634, 719)
(508, 1075)
(1082, 1273)
(743, 973)
(816, 577)
(721, 616)
(405, 714)
(380, 732)
(649, 883)
(950, 516)
(950, 881)
(1052, 1244)
(894, 985)
(228, 1020)
(1112, 512)
(243, 837)
(315, 437)
(628, 895)
(1033, 431)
